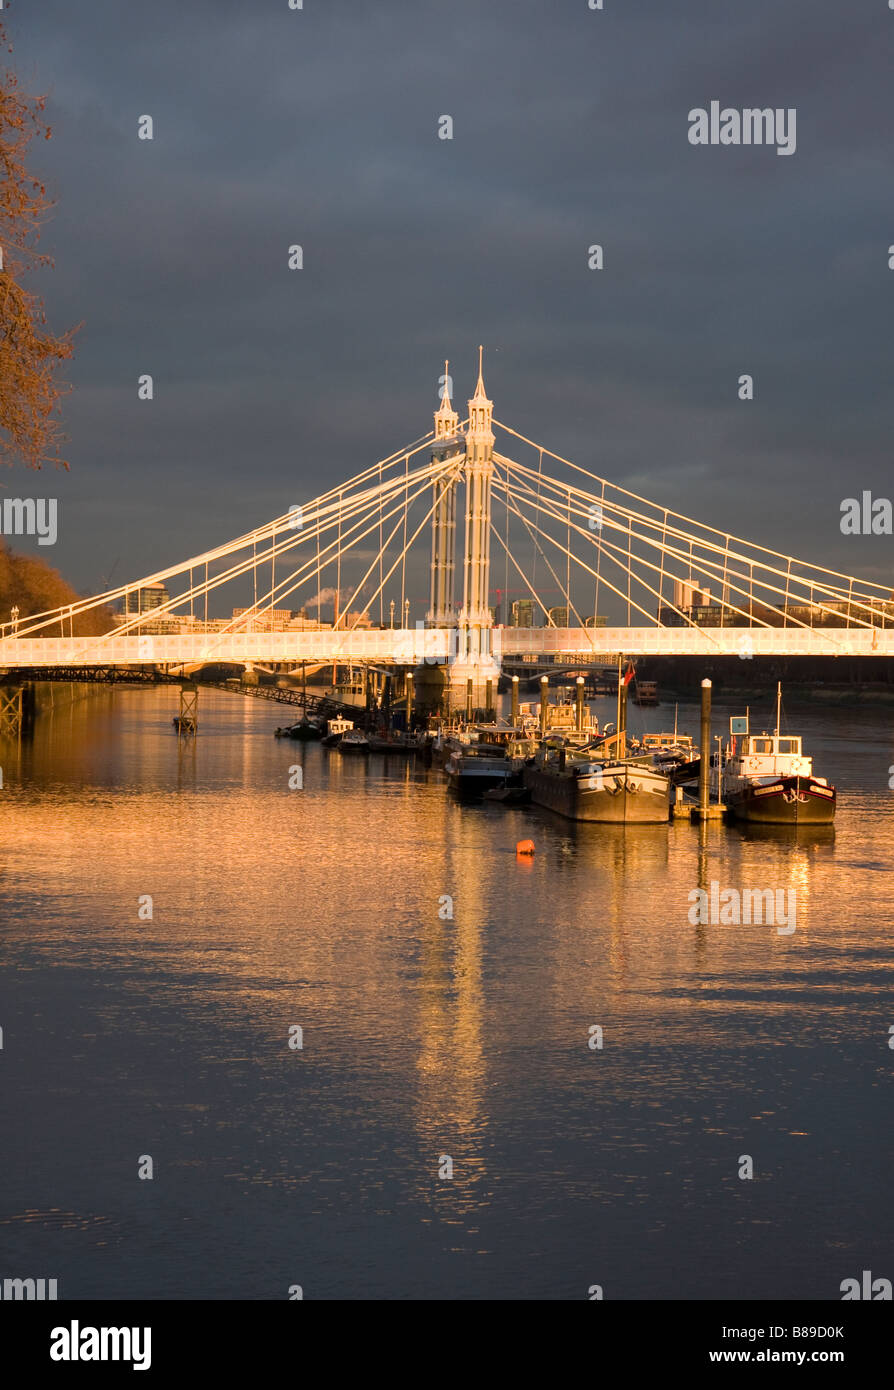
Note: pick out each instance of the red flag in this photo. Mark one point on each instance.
(629, 673)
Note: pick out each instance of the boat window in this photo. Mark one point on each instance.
(789, 745)
(761, 745)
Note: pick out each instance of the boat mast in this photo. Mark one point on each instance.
(778, 704)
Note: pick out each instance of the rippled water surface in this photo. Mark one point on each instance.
(424, 1037)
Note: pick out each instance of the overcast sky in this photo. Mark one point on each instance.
(320, 127)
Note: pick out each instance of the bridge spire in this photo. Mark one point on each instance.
(446, 418)
(446, 443)
(480, 394)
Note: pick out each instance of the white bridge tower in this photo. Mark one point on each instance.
(474, 659)
(448, 443)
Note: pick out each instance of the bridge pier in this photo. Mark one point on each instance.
(12, 711)
(188, 719)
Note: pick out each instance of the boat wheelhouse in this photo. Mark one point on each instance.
(335, 731)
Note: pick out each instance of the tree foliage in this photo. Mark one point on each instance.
(31, 585)
(30, 355)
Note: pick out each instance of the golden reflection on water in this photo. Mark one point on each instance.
(273, 907)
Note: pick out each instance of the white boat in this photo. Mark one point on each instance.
(336, 730)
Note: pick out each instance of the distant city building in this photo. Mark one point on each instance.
(164, 626)
(689, 595)
(143, 600)
(211, 625)
(302, 623)
(176, 625)
(597, 620)
(349, 620)
(745, 613)
(264, 620)
(558, 617)
(523, 612)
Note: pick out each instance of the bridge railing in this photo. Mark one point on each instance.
(438, 646)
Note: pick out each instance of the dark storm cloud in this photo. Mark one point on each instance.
(319, 127)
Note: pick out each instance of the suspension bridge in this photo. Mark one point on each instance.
(453, 507)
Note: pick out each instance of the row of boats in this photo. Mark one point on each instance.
(340, 733)
(764, 778)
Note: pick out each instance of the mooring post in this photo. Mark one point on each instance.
(580, 704)
(704, 767)
(544, 704)
(514, 701)
(469, 700)
(408, 691)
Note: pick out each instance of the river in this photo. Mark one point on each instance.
(430, 1043)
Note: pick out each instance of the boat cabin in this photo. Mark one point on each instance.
(657, 742)
(480, 750)
(768, 755)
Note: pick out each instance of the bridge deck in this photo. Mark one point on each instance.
(438, 645)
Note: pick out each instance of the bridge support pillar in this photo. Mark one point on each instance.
(188, 718)
(12, 711)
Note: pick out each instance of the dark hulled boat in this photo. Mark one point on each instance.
(584, 786)
(767, 779)
(354, 741)
(475, 768)
(335, 731)
(305, 730)
(770, 782)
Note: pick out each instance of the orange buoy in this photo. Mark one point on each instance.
(524, 847)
